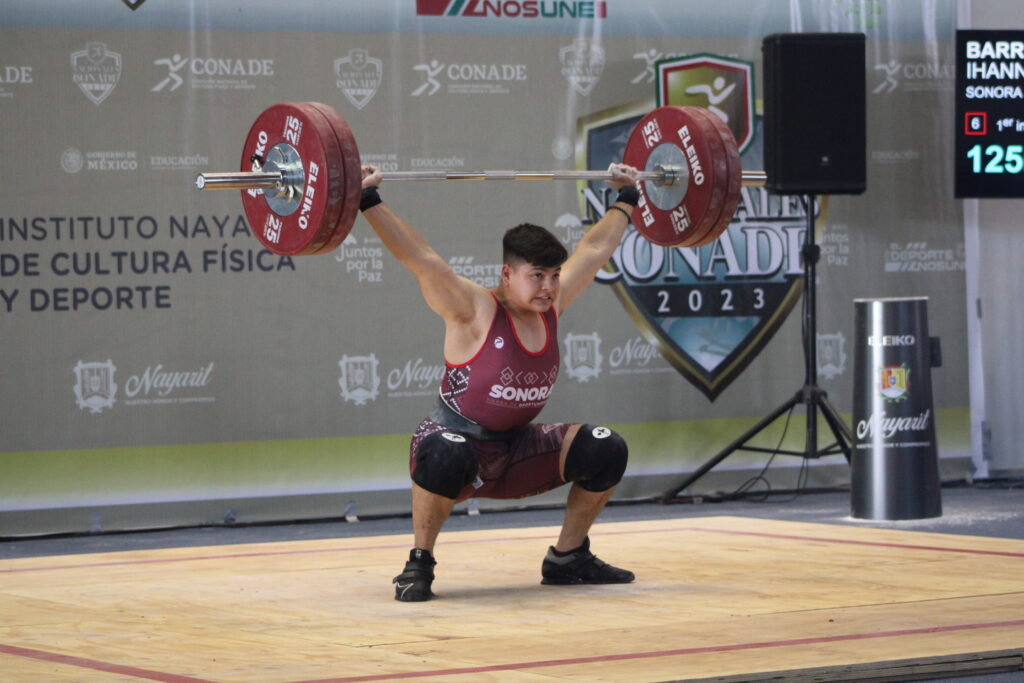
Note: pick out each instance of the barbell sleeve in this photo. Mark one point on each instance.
(240, 180)
(754, 178)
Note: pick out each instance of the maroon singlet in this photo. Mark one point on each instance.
(504, 386)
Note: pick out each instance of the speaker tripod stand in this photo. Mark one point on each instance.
(810, 395)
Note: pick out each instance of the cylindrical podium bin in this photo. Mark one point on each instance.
(895, 467)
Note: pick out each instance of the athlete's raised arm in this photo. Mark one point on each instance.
(598, 245)
(451, 296)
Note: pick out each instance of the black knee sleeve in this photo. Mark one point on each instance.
(596, 459)
(445, 463)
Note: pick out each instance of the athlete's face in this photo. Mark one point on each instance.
(531, 287)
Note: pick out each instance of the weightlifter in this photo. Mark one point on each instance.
(501, 361)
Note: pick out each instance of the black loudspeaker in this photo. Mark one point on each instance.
(814, 113)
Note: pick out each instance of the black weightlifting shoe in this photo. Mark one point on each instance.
(413, 584)
(580, 566)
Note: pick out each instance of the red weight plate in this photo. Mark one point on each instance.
(330, 178)
(735, 177)
(679, 127)
(351, 177)
(716, 174)
(309, 225)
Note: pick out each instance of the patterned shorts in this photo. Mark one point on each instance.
(525, 465)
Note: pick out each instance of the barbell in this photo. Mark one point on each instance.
(301, 177)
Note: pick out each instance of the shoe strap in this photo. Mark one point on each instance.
(414, 574)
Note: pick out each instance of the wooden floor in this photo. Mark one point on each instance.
(714, 597)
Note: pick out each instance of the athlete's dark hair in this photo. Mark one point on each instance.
(534, 245)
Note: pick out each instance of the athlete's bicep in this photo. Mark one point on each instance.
(593, 251)
(451, 296)
(578, 273)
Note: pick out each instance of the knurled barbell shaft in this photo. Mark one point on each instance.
(252, 180)
(514, 175)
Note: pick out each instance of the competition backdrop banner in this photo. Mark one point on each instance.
(155, 352)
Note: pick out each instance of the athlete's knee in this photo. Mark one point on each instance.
(596, 459)
(445, 464)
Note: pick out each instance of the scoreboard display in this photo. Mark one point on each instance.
(989, 126)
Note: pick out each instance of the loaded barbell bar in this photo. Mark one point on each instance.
(256, 180)
(301, 177)
(245, 180)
